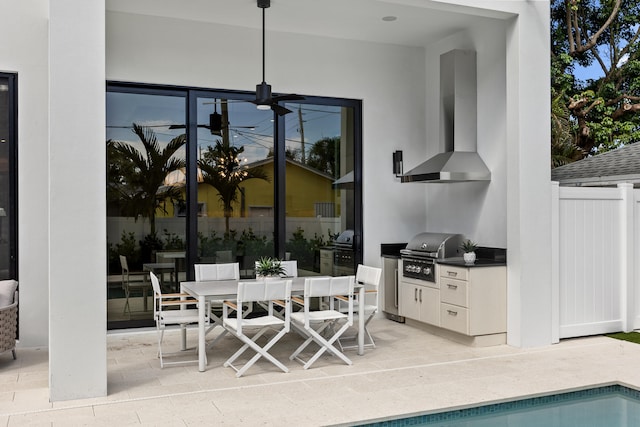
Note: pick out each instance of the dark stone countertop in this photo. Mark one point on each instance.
(480, 262)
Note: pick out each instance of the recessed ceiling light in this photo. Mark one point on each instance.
(389, 18)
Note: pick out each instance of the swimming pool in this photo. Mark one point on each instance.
(605, 406)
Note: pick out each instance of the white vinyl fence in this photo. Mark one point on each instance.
(595, 273)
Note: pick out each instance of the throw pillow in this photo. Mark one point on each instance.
(7, 290)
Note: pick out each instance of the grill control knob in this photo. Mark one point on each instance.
(426, 271)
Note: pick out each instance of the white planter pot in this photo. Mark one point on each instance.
(469, 257)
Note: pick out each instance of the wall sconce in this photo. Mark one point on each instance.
(397, 163)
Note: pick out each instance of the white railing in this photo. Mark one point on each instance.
(594, 274)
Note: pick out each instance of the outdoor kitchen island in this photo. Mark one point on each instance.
(466, 303)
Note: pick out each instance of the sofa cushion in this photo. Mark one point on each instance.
(7, 290)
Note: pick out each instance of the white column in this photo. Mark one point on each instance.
(528, 178)
(627, 265)
(77, 202)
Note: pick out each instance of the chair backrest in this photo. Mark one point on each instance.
(155, 284)
(290, 268)
(369, 276)
(267, 290)
(227, 271)
(124, 264)
(328, 286)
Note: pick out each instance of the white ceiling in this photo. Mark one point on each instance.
(418, 22)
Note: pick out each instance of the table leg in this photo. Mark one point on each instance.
(202, 348)
(361, 332)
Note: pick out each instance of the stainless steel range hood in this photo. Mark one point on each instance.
(458, 125)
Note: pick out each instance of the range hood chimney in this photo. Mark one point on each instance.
(458, 125)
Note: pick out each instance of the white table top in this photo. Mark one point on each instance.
(229, 288)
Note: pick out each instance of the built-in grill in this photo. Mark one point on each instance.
(343, 254)
(421, 253)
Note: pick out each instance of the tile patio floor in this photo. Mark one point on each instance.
(410, 372)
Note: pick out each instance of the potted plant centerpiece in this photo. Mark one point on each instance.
(269, 267)
(469, 248)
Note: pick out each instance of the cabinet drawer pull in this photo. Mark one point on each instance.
(452, 273)
(452, 286)
(452, 313)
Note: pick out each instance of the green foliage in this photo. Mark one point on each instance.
(222, 168)
(127, 247)
(468, 246)
(303, 250)
(267, 266)
(172, 241)
(602, 113)
(149, 246)
(209, 245)
(135, 177)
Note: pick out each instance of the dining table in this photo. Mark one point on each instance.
(228, 289)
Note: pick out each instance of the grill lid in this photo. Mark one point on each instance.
(433, 245)
(344, 240)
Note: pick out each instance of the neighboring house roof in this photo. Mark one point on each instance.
(292, 162)
(603, 170)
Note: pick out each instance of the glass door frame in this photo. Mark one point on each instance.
(12, 209)
(279, 203)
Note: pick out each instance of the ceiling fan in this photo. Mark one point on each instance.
(264, 99)
(215, 121)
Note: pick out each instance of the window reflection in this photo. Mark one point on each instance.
(145, 194)
(320, 160)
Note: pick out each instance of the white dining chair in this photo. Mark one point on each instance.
(369, 277)
(250, 330)
(213, 272)
(324, 326)
(171, 309)
(133, 280)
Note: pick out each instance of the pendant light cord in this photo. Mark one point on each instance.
(263, 62)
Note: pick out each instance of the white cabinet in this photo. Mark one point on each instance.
(326, 262)
(419, 301)
(473, 301)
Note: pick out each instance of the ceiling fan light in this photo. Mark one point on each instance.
(263, 93)
(263, 107)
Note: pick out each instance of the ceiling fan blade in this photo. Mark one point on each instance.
(183, 126)
(280, 110)
(288, 97)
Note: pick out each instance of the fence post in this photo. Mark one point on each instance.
(555, 262)
(626, 263)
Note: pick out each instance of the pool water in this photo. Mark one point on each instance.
(607, 406)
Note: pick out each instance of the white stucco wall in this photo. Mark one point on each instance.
(389, 79)
(24, 50)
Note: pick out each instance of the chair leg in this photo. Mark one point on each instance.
(13, 351)
(260, 351)
(316, 336)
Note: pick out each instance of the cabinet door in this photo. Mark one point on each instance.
(429, 301)
(408, 301)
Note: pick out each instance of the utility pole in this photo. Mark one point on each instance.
(301, 126)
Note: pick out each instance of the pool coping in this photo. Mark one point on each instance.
(460, 412)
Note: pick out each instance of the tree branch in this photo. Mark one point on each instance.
(573, 51)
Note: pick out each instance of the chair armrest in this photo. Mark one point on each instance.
(178, 295)
(178, 302)
(297, 300)
(280, 303)
(341, 298)
(231, 304)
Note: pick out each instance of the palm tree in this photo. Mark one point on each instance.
(222, 170)
(136, 177)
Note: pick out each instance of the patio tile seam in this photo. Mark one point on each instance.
(549, 349)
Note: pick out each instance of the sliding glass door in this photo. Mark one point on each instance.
(203, 176)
